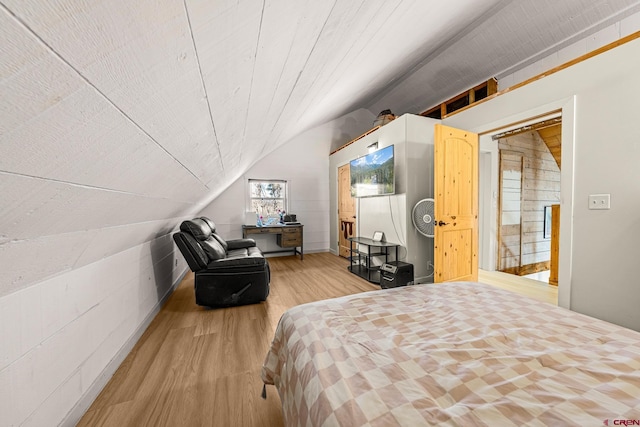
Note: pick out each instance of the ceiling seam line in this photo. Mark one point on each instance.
(94, 87)
(26, 239)
(253, 73)
(324, 24)
(330, 78)
(204, 86)
(284, 65)
(86, 186)
(347, 55)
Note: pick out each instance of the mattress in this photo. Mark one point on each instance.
(462, 353)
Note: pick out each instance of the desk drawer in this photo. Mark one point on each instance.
(285, 241)
(291, 237)
(291, 231)
(262, 230)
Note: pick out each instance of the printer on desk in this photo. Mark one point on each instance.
(290, 219)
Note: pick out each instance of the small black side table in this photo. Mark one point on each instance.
(366, 270)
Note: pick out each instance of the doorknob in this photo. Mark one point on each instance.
(441, 223)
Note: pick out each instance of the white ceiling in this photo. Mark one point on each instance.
(118, 117)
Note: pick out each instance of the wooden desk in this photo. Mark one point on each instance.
(289, 237)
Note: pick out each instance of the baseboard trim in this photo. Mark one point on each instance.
(423, 280)
(81, 407)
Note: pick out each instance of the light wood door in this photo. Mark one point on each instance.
(456, 205)
(346, 210)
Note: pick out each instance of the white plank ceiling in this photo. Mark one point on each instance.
(118, 118)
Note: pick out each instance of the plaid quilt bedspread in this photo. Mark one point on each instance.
(462, 354)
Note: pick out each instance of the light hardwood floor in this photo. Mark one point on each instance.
(522, 285)
(201, 367)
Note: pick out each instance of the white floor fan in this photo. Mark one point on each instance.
(422, 217)
(424, 222)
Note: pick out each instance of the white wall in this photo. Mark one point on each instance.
(412, 137)
(599, 98)
(304, 163)
(488, 203)
(419, 184)
(63, 338)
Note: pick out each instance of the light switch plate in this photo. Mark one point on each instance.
(600, 201)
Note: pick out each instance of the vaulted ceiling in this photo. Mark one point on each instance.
(117, 117)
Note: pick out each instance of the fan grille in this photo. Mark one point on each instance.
(422, 216)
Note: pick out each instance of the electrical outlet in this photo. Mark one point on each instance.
(600, 201)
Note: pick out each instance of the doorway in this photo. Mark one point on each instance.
(526, 159)
(492, 118)
(346, 211)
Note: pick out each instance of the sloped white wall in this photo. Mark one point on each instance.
(600, 98)
(304, 163)
(106, 143)
(63, 338)
(87, 167)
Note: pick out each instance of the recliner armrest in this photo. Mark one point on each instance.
(240, 244)
(244, 263)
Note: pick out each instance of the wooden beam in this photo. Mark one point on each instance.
(528, 128)
(354, 140)
(491, 86)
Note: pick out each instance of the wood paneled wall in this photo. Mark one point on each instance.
(511, 165)
(523, 248)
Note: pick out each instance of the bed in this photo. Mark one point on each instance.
(460, 353)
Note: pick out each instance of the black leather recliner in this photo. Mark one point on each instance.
(227, 272)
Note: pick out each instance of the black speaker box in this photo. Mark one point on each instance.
(395, 273)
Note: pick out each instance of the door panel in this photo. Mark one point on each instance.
(346, 210)
(458, 252)
(456, 204)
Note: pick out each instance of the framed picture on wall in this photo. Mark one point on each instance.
(546, 230)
